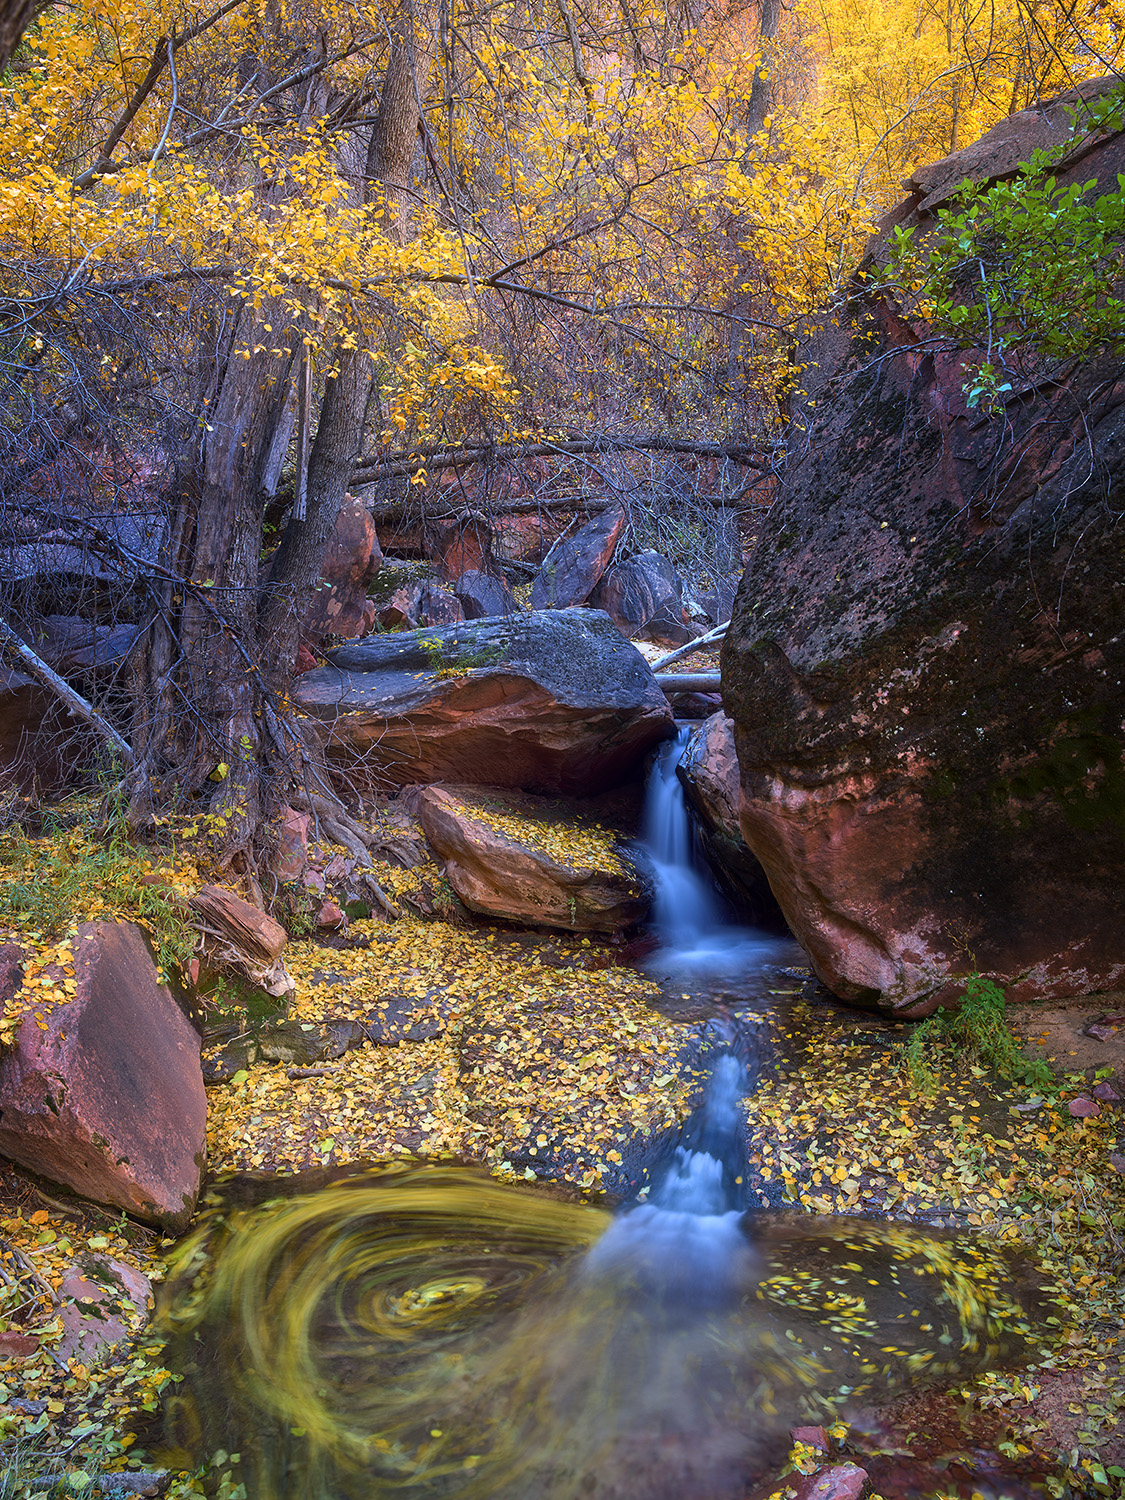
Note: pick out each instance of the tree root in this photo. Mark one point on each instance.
(333, 818)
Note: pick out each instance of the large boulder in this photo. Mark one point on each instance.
(709, 772)
(481, 595)
(926, 660)
(533, 861)
(576, 563)
(102, 1088)
(554, 701)
(338, 604)
(645, 596)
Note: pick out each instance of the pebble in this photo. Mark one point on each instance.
(1083, 1107)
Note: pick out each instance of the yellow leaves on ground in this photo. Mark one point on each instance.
(571, 839)
(532, 1056)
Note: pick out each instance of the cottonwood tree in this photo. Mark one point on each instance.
(367, 233)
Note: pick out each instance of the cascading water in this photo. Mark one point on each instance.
(696, 941)
(419, 1328)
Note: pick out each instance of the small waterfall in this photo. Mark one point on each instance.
(696, 940)
(684, 908)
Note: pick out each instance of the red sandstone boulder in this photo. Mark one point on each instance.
(926, 660)
(351, 559)
(554, 701)
(465, 545)
(709, 772)
(533, 861)
(41, 749)
(102, 1089)
(575, 563)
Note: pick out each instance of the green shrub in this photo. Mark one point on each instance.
(976, 1032)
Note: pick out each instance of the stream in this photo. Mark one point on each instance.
(416, 1327)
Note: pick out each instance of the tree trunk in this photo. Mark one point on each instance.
(15, 17)
(761, 99)
(222, 646)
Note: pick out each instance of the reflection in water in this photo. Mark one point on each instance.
(696, 944)
(424, 1329)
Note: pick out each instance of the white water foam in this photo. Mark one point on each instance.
(696, 943)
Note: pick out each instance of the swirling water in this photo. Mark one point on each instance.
(422, 1329)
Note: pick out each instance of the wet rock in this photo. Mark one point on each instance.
(403, 1018)
(576, 562)
(529, 860)
(338, 603)
(1107, 1093)
(709, 772)
(812, 1437)
(553, 701)
(294, 1042)
(104, 1092)
(482, 596)
(645, 597)
(924, 665)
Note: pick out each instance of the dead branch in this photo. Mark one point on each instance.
(76, 704)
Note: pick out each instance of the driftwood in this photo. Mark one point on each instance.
(698, 644)
(236, 935)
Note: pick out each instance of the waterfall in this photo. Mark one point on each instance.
(697, 942)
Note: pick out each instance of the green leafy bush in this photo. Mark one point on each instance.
(1023, 264)
(976, 1032)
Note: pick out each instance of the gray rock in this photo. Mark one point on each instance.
(644, 596)
(551, 701)
(482, 595)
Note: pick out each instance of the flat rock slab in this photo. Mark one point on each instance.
(553, 701)
(103, 1090)
(576, 563)
(525, 859)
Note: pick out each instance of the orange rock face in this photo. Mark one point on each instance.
(926, 663)
(525, 859)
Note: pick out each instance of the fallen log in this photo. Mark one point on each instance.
(689, 682)
(239, 936)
